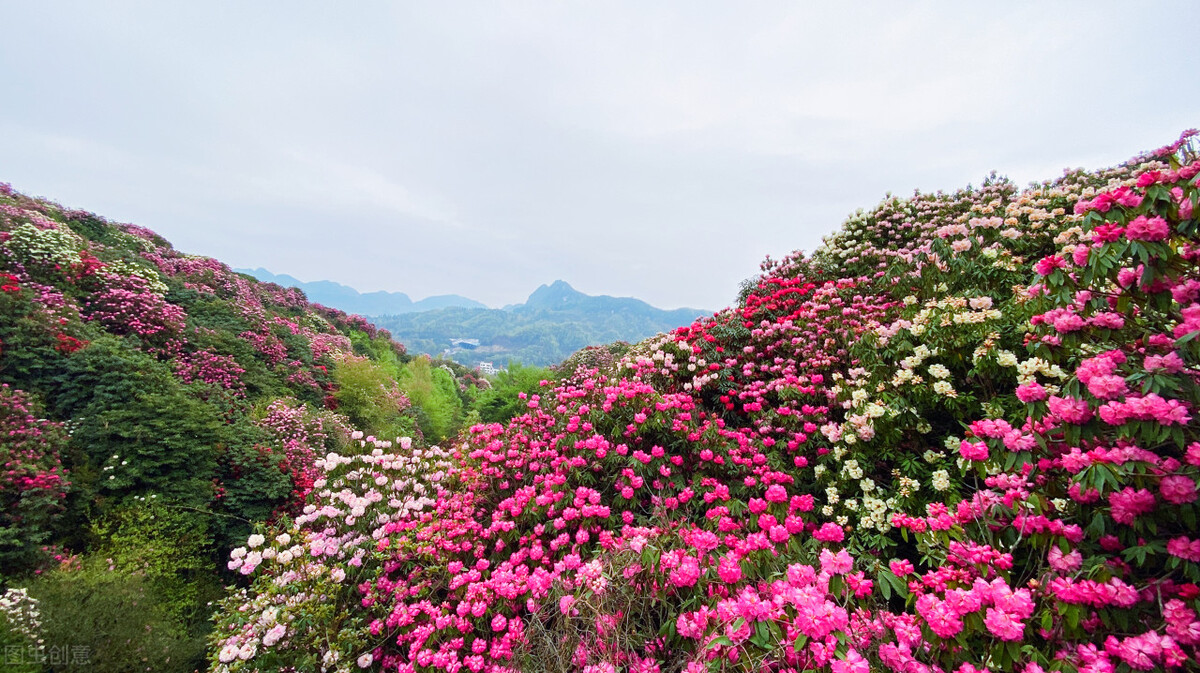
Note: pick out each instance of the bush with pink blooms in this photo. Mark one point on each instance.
(319, 559)
(155, 377)
(958, 437)
(33, 481)
(301, 435)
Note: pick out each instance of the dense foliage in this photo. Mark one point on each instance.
(509, 393)
(154, 407)
(958, 437)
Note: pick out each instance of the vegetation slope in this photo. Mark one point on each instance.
(957, 437)
(154, 407)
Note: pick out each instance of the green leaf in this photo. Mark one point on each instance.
(720, 641)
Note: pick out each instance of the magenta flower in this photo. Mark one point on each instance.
(836, 564)
(729, 569)
(973, 450)
(853, 662)
(686, 573)
(1185, 548)
(1069, 409)
(1177, 489)
(1128, 504)
(1003, 625)
(830, 532)
(1143, 228)
(1031, 392)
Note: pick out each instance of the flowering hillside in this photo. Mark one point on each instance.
(958, 437)
(154, 406)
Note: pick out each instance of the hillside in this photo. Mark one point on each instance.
(555, 321)
(154, 408)
(958, 437)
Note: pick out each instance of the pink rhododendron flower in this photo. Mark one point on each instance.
(1128, 504)
(830, 532)
(1177, 489)
(973, 450)
(836, 564)
(1067, 563)
(729, 569)
(1170, 363)
(940, 618)
(853, 662)
(1106, 386)
(1185, 548)
(1144, 228)
(1031, 392)
(1003, 625)
(1069, 410)
(565, 604)
(686, 573)
(1047, 265)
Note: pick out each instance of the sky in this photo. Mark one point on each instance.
(657, 150)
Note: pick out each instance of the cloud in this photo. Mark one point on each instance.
(658, 150)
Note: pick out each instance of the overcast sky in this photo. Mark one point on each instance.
(652, 149)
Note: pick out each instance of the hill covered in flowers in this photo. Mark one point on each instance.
(154, 407)
(958, 437)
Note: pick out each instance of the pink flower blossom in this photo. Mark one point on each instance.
(1047, 265)
(1003, 625)
(973, 450)
(942, 620)
(1177, 489)
(853, 662)
(1128, 504)
(1066, 563)
(1031, 391)
(1143, 228)
(686, 573)
(1107, 386)
(729, 569)
(1185, 548)
(836, 564)
(1170, 363)
(830, 532)
(1069, 409)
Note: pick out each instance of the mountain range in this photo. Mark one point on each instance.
(555, 321)
(350, 300)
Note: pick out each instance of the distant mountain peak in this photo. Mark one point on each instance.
(555, 295)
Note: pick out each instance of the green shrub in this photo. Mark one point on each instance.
(170, 549)
(115, 617)
(502, 401)
(434, 391)
(370, 398)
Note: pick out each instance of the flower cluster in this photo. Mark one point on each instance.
(302, 435)
(213, 369)
(21, 612)
(316, 563)
(33, 482)
(128, 306)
